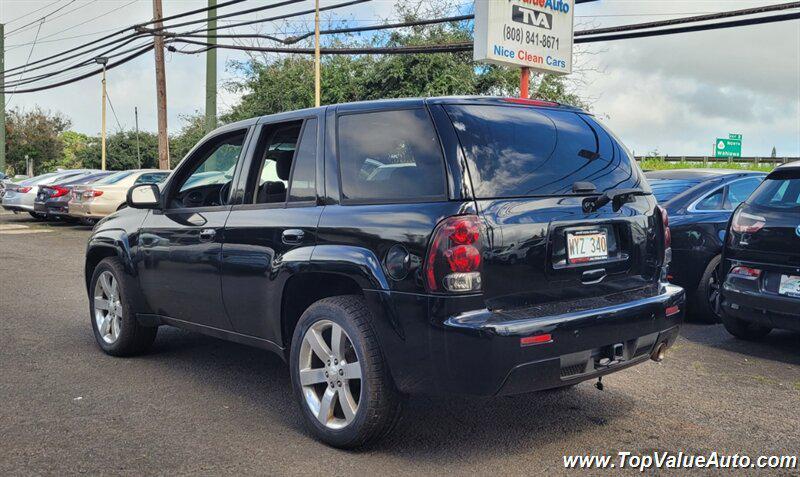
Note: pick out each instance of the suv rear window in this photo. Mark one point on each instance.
(515, 151)
(781, 190)
(390, 156)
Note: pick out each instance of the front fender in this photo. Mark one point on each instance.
(105, 243)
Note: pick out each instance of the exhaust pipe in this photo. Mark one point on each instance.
(659, 352)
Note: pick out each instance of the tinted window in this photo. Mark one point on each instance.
(217, 163)
(779, 191)
(304, 176)
(665, 189)
(390, 156)
(711, 202)
(519, 151)
(739, 191)
(278, 143)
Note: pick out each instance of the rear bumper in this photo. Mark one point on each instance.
(88, 210)
(762, 309)
(452, 346)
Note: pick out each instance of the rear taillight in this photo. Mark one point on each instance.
(59, 191)
(667, 235)
(746, 272)
(92, 193)
(454, 258)
(24, 190)
(745, 223)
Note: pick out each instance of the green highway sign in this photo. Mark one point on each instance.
(728, 147)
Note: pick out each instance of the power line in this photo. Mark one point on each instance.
(112, 35)
(41, 19)
(468, 45)
(108, 97)
(32, 12)
(8, 101)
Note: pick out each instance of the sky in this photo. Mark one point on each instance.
(671, 94)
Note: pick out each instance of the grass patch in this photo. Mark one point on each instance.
(657, 164)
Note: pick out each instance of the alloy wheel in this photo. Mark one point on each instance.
(107, 307)
(330, 374)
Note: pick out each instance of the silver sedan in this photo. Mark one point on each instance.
(21, 197)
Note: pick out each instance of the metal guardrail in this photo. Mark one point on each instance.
(708, 159)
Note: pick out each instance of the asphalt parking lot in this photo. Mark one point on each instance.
(198, 405)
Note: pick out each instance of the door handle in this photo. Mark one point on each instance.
(207, 235)
(292, 236)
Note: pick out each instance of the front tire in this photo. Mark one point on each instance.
(743, 329)
(114, 323)
(339, 376)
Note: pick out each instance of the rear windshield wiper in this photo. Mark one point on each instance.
(616, 196)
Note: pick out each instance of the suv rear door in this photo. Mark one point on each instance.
(528, 167)
(274, 228)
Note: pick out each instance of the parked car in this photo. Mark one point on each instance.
(371, 285)
(52, 201)
(700, 203)
(20, 197)
(99, 199)
(761, 289)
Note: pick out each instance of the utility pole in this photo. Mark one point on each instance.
(161, 88)
(101, 60)
(524, 82)
(2, 104)
(136, 120)
(211, 69)
(317, 92)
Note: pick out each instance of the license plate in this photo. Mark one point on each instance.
(790, 286)
(587, 246)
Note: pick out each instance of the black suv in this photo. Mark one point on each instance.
(761, 260)
(482, 246)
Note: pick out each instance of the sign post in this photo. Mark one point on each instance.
(728, 147)
(535, 35)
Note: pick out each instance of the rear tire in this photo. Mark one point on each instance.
(706, 298)
(743, 329)
(111, 311)
(37, 215)
(378, 404)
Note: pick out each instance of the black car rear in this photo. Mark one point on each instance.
(761, 290)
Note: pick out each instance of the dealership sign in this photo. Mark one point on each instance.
(526, 33)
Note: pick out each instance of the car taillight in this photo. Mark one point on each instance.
(667, 235)
(24, 190)
(746, 272)
(454, 258)
(92, 193)
(745, 223)
(59, 191)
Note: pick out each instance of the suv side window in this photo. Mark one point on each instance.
(212, 167)
(390, 156)
(304, 175)
(276, 151)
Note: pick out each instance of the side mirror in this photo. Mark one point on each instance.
(144, 196)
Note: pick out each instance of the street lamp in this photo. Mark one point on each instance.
(102, 60)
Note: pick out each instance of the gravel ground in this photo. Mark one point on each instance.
(197, 405)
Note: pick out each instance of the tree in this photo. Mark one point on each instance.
(270, 84)
(180, 144)
(774, 152)
(121, 151)
(35, 133)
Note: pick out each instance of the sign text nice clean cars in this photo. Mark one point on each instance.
(530, 33)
